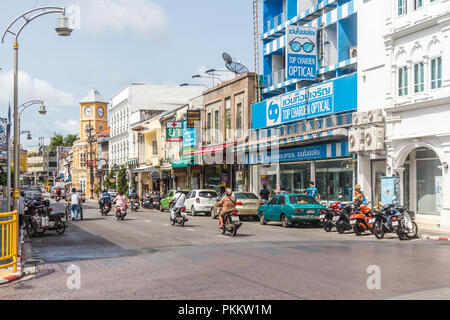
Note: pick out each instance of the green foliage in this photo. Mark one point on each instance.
(59, 141)
(3, 179)
(107, 183)
(122, 184)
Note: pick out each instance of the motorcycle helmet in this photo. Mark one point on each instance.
(179, 189)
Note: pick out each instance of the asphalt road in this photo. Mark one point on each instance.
(145, 257)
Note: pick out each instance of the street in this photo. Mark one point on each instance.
(145, 257)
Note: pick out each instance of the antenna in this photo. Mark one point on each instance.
(234, 66)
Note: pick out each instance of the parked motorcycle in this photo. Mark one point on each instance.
(343, 212)
(385, 221)
(407, 228)
(38, 218)
(231, 223)
(57, 198)
(362, 221)
(178, 216)
(330, 216)
(147, 203)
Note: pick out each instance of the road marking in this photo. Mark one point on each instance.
(219, 235)
(190, 230)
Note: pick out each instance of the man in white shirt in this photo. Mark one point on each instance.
(75, 204)
(179, 198)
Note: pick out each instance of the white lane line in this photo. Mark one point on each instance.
(190, 230)
(223, 236)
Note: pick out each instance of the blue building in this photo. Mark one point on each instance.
(299, 129)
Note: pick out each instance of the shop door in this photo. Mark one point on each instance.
(378, 171)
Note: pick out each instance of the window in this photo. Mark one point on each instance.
(239, 120)
(208, 127)
(436, 73)
(403, 81)
(402, 9)
(418, 77)
(216, 125)
(418, 4)
(274, 200)
(282, 200)
(155, 147)
(228, 118)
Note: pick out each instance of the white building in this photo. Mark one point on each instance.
(136, 103)
(416, 93)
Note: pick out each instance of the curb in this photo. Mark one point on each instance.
(428, 237)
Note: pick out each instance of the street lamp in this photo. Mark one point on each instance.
(194, 84)
(62, 30)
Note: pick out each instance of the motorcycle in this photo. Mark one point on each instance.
(362, 220)
(147, 203)
(134, 205)
(385, 221)
(57, 198)
(178, 216)
(38, 218)
(407, 229)
(330, 216)
(231, 223)
(106, 209)
(121, 213)
(341, 217)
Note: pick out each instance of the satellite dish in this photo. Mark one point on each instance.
(236, 67)
(227, 57)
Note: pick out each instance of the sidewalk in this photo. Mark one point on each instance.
(433, 235)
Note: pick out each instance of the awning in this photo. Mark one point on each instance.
(185, 162)
(144, 169)
(213, 149)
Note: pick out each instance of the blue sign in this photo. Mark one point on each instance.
(188, 136)
(316, 152)
(301, 57)
(323, 99)
(387, 190)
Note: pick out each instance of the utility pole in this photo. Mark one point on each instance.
(89, 129)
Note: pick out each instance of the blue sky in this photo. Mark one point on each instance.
(119, 41)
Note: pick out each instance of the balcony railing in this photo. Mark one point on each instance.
(275, 22)
(275, 78)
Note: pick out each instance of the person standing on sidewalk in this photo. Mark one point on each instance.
(75, 204)
(264, 193)
(312, 191)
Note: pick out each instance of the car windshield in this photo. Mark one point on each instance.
(302, 199)
(207, 194)
(245, 195)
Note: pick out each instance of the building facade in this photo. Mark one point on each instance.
(42, 163)
(300, 129)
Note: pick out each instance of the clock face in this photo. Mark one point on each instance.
(88, 111)
(100, 111)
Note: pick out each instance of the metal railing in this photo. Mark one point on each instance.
(275, 22)
(8, 225)
(275, 78)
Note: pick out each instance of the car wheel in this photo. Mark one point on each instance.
(213, 213)
(285, 222)
(262, 220)
(193, 213)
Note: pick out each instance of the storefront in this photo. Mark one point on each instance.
(327, 164)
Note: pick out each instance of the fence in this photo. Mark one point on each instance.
(8, 225)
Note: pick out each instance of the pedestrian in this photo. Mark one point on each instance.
(312, 191)
(75, 204)
(283, 190)
(277, 190)
(21, 208)
(264, 193)
(359, 198)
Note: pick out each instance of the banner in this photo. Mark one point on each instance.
(3, 128)
(301, 57)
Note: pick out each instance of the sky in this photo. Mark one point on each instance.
(115, 42)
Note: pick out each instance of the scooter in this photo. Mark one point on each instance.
(134, 204)
(121, 213)
(106, 209)
(178, 216)
(363, 220)
(231, 223)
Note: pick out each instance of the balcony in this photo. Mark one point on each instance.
(275, 78)
(275, 22)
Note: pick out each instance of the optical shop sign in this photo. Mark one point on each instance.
(301, 104)
(301, 58)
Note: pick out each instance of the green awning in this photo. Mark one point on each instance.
(185, 161)
(180, 164)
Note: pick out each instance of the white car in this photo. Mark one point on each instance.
(201, 200)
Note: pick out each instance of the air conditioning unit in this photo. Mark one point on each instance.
(374, 139)
(355, 141)
(374, 116)
(358, 118)
(353, 52)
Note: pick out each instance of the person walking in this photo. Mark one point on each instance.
(75, 201)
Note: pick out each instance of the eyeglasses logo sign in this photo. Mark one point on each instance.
(274, 112)
(297, 44)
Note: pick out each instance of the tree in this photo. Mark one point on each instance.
(70, 139)
(59, 141)
(108, 184)
(122, 184)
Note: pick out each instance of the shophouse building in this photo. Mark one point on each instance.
(299, 130)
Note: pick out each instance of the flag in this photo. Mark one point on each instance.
(9, 114)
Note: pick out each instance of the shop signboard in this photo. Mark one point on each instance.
(388, 190)
(301, 57)
(174, 131)
(192, 117)
(329, 97)
(188, 136)
(3, 126)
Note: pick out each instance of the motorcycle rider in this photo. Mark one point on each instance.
(121, 202)
(58, 193)
(228, 204)
(105, 198)
(359, 198)
(179, 198)
(133, 196)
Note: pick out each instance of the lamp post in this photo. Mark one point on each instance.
(89, 130)
(207, 77)
(62, 30)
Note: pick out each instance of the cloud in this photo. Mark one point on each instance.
(144, 17)
(62, 108)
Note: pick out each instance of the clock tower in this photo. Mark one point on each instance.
(93, 118)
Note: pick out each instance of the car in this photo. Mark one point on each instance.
(165, 200)
(201, 201)
(112, 193)
(33, 195)
(291, 209)
(246, 204)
